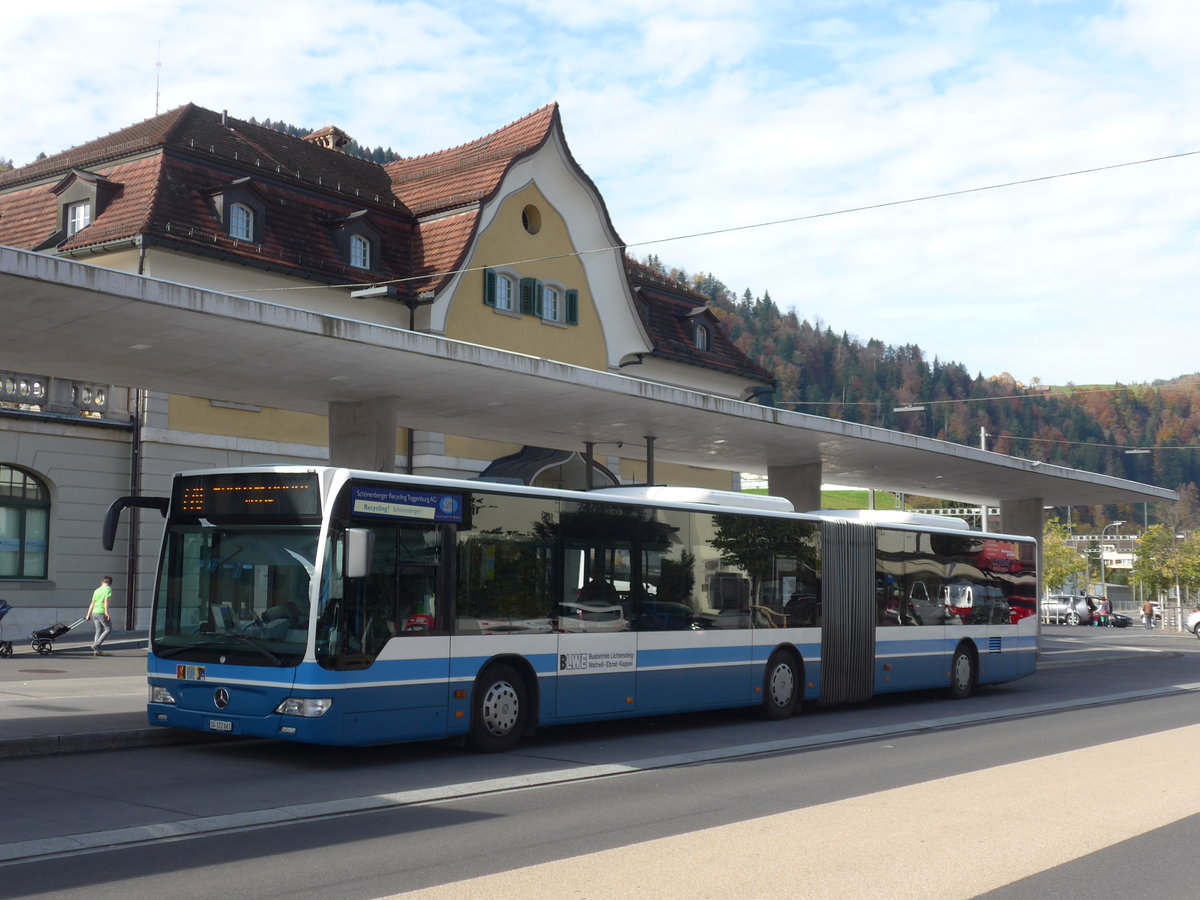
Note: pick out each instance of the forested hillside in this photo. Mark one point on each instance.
(841, 376)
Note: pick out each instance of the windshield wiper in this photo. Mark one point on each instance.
(249, 642)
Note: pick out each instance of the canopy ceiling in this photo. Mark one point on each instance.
(83, 322)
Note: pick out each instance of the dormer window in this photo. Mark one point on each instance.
(698, 324)
(360, 252)
(241, 209)
(82, 198)
(241, 222)
(357, 240)
(79, 217)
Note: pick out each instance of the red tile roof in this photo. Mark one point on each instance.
(469, 173)
(163, 172)
(165, 169)
(669, 310)
(440, 245)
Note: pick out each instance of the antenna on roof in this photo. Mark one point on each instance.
(157, 76)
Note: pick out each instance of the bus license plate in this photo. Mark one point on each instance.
(220, 725)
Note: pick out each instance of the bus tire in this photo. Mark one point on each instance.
(499, 710)
(781, 686)
(963, 673)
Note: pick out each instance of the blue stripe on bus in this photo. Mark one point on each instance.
(412, 698)
(685, 656)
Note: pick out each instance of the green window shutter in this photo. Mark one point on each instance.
(572, 307)
(531, 296)
(489, 287)
(539, 299)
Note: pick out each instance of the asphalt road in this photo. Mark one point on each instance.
(572, 813)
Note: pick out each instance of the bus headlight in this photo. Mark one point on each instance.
(160, 695)
(309, 707)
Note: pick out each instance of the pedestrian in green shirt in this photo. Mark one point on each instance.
(98, 613)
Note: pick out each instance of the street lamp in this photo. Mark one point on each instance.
(1103, 583)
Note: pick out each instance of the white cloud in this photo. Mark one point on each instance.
(692, 116)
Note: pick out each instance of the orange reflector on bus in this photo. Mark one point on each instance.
(460, 694)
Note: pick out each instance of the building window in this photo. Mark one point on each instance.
(360, 252)
(506, 292)
(701, 337)
(531, 219)
(530, 297)
(552, 304)
(24, 524)
(499, 290)
(241, 222)
(79, 216)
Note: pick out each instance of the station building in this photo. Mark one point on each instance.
(503, 242)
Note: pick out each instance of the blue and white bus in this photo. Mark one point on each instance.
(353, 608)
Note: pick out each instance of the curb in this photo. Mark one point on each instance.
(53, 744)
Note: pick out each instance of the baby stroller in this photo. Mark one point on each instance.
(43, 639)
(5, 646)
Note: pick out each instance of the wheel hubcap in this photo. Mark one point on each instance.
(501, 707)
(783, 683)
(962, 672)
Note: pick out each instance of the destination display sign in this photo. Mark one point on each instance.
(399, 503)
(246, 495)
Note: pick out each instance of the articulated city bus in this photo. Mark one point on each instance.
(348, 607)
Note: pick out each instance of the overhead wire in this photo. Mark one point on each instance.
(428, 276)
(1034, 395)
(1125, 447)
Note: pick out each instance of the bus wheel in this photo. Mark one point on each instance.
(781, 686)
(962, 673)
(499, 710)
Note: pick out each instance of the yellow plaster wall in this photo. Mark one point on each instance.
(634, 471)
(199, 415)
(477, 448)
(506, 241)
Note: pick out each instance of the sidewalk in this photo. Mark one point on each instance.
(70, 700)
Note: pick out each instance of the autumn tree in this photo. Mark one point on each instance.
(1167, 560)
(1060, 561)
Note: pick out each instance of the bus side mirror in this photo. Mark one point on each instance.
(360, 544)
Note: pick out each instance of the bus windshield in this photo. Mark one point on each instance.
(236, 594)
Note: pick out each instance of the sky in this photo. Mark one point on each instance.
(774, 144)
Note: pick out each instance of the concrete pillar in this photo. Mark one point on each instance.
(800, 484)
(1022, 517)
(1025, 517)
(362, 435)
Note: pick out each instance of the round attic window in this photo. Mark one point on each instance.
(531, 219)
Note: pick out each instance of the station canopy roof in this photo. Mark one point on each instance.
(87, 323)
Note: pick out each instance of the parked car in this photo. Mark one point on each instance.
(1192, 622)
(1068, 610)
(1119, 620)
